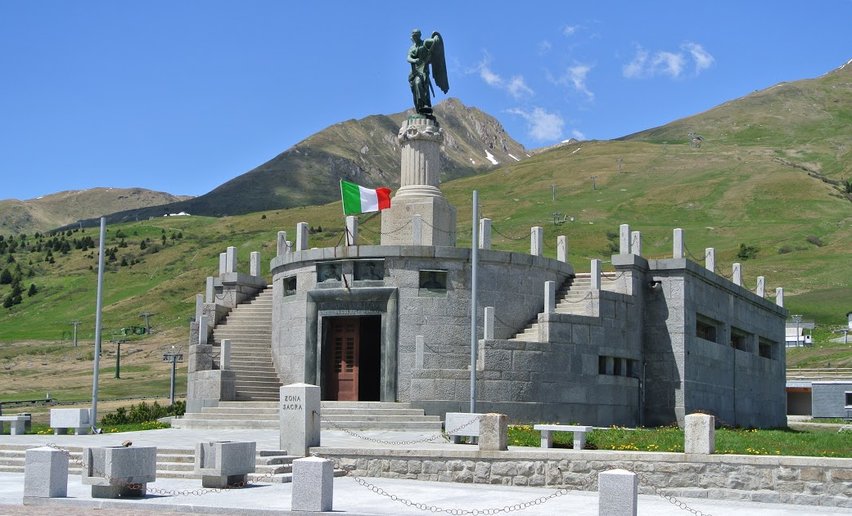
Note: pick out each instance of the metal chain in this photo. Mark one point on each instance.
(380, 232)
(678, 503)
(494, 229)
(433, 438)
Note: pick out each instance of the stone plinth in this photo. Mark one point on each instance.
(46, 473)
(420, 140)
(224, 463)
(118, 471)
(313, 485)
(299, 418)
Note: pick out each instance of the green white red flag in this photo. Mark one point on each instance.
(357, 199)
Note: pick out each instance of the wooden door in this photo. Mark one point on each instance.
(343, 364)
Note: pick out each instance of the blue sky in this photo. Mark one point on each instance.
(181, 96)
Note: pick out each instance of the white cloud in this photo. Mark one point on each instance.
(569, 30)
(577, 75)
(516, 86)
(544, 47)
(577, 135)
(542, 125)
(667, 63)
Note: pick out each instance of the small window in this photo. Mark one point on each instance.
(290, 286)
(329, 271)
(369, 270)
(706, 329)
(765, 348)
(601, 365)
(633, 368)
(848, 399)
(739, 339)
(433, 281)
(618, 370)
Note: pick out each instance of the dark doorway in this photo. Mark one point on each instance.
(352, 369)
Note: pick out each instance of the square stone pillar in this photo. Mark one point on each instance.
(624, 239)
(301, 236)
(313, 485)
(223, 263)
(351, 230)
(636, 243)
(488, 323)
(562, 248)
(761, 286)
(485, 233)
(493, 432)
(549, 297)
(618, 493)
(677, 243)
(231, 259)
(699, 434)
(209, 290)
(299, 408)
(737, 274)
(281, 243)
(254, 264)
(536, 240)
(596, 275)
(779, 296)
(46, 473)
(710, 259)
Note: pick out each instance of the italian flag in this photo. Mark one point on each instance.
(357, 199)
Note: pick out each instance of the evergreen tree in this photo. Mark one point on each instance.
(5, 277)
(32, 291)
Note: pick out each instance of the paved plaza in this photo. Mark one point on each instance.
(350, 497)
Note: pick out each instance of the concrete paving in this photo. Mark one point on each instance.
(350, 496)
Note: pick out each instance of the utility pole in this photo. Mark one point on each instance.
(174, 356)
(118, 343)
(146, 315)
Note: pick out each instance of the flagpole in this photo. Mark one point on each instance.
(474, 270)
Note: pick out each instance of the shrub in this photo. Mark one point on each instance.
(815, 240)
(785, 249)
(142, 413)
(747, 252)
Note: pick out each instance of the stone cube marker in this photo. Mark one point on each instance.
(493, 432)
(618, 493)
(63, 419)
(118, 471)
(299, 410)
(224, 463)
(699, 434)
(46, 473)
(313, 485)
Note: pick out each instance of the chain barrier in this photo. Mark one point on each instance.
(380, 232)
(517, 239)
(423, 440)
(680, 504)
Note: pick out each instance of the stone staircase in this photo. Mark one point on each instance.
(336, 415)
(271, 466)
(249, 328)
(571, 298)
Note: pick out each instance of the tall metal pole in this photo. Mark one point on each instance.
(172, 386)
(474, 271)
(100, 297)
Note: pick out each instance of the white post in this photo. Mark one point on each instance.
(99, 303)
(761, 286)
(779, 296)
(225, 355)
(710, 259)
(223, 263)
(351, 230)
(301, 236)
(536, 243)
(677, 243)
(549, 297)
(231, 259)
(281, 243)
(596, 275)
(202, 330)
(209, 290)
(199, 306)
(624, 239)
(737, 271)
(488, 323)
(636, 243)
(485, 233)
(562, 248)
(254, 263)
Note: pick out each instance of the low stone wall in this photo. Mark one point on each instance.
(770, 479)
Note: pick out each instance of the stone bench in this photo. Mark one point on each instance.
(578, 430)
(63, 419)
(17, 424)
(461, 424)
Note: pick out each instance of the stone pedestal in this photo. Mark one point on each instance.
(46, 473)
(699, 434)
(118, 471)
(224, 463)
(299, 418)
(618, 493)
(313, 485)
(493, 432)
(420, 139)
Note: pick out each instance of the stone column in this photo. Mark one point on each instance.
(299, 418)
(254, 263)
(761, 286)
(536, 240)
(699, 434)
(488, 323)
(301, 236)
(202, 330)
(485, 233)
(737, 274)
(223, 263)
(624, 239)
(677, 243)
(231, 259)
(562, 248)
(199, 305)
(779, 296)
(596, 275)
(636, 243)
(549, 297)
(493, 432)
(420, 140)
(710, 259)
(209, 290)
(281, 244)
(351, 230)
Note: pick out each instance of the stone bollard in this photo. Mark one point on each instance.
(562, 248)
(119, 471)
(536, 240)
(699, 434)
(493, 432)
(313, 485)
(299, 418)
(224, 463)
(485, 233)
(46, 473)
(618, 493)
